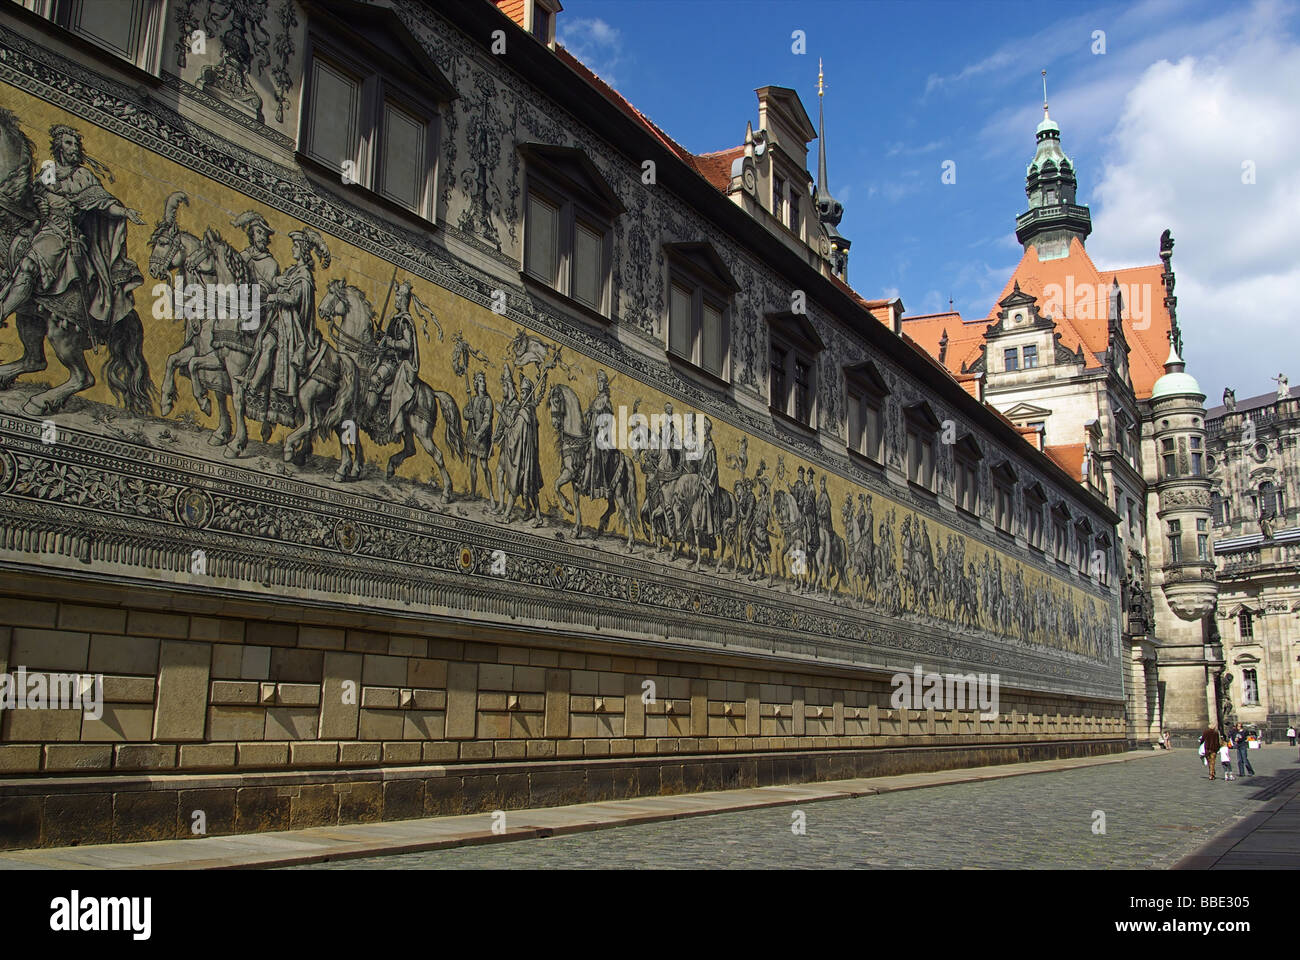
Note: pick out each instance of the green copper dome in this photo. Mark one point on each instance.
(1175, 382)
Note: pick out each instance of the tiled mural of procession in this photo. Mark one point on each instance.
(292, 343)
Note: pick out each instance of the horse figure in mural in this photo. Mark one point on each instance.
(573, 441)
(352, 324)
(64, 271)
(795, 560)
(216, 348)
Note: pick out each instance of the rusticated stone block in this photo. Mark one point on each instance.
(315, 805)
(481, 794)
(258, 809)
(403, 799)
(216, 630)
(24, 758)
(556, 725)
(340, 701)
(35, 649)
(313, 753)
(120, 721)
(440, 750)
(144, 756)
(24, 612)
(75, 818)
(263, 754)
(426, 673)
(144, 815)
(20, 821)
(206, 756)
(236, 723)
(512, 789)
(217, 807)
(292, 723)
(357, 754)
(271, 634)
(321, 638)
(361, 802)
(78, 756)
(699, 708)
(297, 666)
(443, 797)
(129, 689)
(129, 655)
(401, 752)
(462, 700)
(153, 623)
(183, 669)
(75, 616)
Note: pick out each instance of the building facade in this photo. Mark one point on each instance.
(1073, 356)
(1254, 468)
(388, 537)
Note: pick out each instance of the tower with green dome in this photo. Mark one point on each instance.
(1053, 218)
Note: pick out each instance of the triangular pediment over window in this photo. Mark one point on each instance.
(796, 328)
(576, 173)
(922, 413)
(377, 34)
(968, 448)
(700, 256)
(1004, 472)
(866, 376)
(1026, 411)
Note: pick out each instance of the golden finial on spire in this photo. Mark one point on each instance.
(821, 86)
(1044, 94)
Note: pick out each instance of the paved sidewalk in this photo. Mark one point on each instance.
(1268, 839)
(319, 844)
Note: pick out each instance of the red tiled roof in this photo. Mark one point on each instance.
(514, 9)
(1083, 320)
(1069, 457)
(716, 167)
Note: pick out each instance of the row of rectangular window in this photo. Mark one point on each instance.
(1011, 357)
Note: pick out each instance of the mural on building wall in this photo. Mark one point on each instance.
(362, 376)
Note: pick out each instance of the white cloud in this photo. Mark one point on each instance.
(595, 43)
(1175, 160)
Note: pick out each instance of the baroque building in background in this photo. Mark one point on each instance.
(1087, 363)
(400, 423)
(1254, 469)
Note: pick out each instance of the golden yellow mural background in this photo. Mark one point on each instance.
(143, 180)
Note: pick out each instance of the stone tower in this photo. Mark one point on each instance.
(1179, 545)
(1053, 218)
(829, 210)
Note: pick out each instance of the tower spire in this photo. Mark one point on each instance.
(1053, 220)
(1045, 116)
(829, 210)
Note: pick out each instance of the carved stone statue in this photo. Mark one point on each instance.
(1283, 386)
(1230, 399)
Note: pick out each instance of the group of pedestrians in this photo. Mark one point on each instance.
(1215, 747)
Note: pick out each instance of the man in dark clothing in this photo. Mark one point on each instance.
(1210, 740)
(1242, 743)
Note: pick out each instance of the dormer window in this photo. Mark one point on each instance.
(1031, 356)
(370, 108)
(866, 391)
(793, 352)
(1011, 359)
(569, 225)
(700, 289)
(921, 426)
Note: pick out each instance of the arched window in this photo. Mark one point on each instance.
(1249, 687)
(1267, 499)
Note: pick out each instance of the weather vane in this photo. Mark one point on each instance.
(821, 85)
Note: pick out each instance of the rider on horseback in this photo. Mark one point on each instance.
(79, 245)
(399, 349)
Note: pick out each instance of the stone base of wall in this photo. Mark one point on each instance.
(67, 811)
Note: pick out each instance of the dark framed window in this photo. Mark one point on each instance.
(1004, 496)
(1011, 359)
(1035, 506)
(1245, 625)
(1168, 457)
(1061, 533)
(1041, 427)
(1175, 538)
(796, 214)
(1218, 508)
(1030, 352)
(778, 198)
(1102, 555)
(1198, 457)
(1203, 539)
(376, 131)
(131, 30)
(966, 460)
(866, 390)
(794, 351)
(921, 426)
(700, 292)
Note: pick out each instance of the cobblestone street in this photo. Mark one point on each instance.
(1156, 811)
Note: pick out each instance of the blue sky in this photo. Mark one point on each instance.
(1159, 126)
